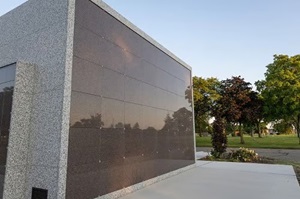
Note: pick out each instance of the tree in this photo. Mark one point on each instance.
(205, 95)
(281, 89)
(253, 111)
(235, 95)
(283, 127)
(218, 137)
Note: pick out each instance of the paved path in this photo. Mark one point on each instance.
(226, 180)
(279, 154)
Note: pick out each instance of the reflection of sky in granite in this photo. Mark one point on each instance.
(130, 119)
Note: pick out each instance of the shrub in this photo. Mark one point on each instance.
(218, 138)
(244, 155)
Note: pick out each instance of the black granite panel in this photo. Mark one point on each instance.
(133, 130)
(85, 151)
(91, 137)
(135, 68)
(112, 156)
(109, 28)
(113, 84)
(83, 185)
(112, 113)
(86, 77)
(134, 170)
(98, 21)
(85, 111)
(151, 54)
(133, 91)
(150, 73)
(149, 95)
(92, 47)
(111, 179)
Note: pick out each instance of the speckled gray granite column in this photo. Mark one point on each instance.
(38, 35)
(18, 151)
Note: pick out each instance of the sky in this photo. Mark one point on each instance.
(216, 38)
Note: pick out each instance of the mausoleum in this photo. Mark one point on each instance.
(90, 105)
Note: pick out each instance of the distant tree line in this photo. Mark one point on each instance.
(236, 108)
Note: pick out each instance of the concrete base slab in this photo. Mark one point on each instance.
(215, 180)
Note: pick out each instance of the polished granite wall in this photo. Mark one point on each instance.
(131, 114)
(7, 82)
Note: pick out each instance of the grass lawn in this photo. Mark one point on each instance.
(271, 142)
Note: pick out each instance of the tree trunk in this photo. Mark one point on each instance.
(298, 127)
(199, 133)
(258, 129)
(199, 125)
(251, 131)
(241, 134)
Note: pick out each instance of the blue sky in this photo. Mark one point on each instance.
(217, 38)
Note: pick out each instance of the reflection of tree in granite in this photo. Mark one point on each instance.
(133, 141)
(181, 122)
(8, 89)
(179, 128)
(5, 109)
(136, 126)
(188, 95)
(169, 125)
(94, 122)
(119, 125)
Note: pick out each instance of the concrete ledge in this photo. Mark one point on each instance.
(136, 187)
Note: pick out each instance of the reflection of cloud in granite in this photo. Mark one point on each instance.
(122, 43)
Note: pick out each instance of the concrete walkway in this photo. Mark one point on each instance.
(226, 180)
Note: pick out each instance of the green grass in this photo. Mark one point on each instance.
(271, 142)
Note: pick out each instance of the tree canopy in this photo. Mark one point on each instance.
(281, 89)
(205, 95)
(232, 105)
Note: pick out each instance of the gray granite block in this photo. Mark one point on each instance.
(25, 81)
(15, 179)
(64, 138)
(46, 49)
(31, 17)
(43, 177)
(37, 32)
(46, 128)
(19, 130)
